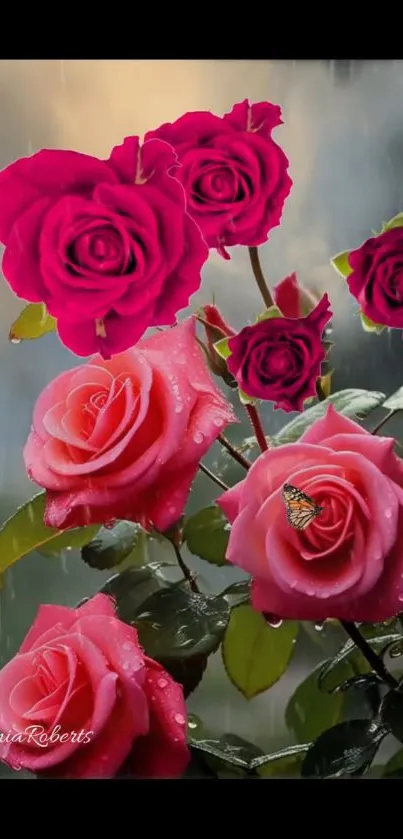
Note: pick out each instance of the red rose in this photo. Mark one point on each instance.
(106, 244)
(80, 697)
(376, 278)
(234, 174)
(279, 359)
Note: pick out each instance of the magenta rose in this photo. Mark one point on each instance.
(123, 438)
(292, 298)
(107, 245)
(348, 563)
(279, 359)
(80, 698)
(376, 280)
(234, 174)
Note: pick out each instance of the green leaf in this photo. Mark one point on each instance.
(394, 402)
(341, 264)
(310, 711)
(25, 532)
(353, 403)
(347, 749)
(369, 325)
(332, 672)
(237, 593)
(281, 764)
(221, 347)
(227, 751)
(112, 545)
(178, 623)
(394, 766)
(391, 713)
(133, 587)
(396, 221)
(33, 322)
(256, 655)
(272, 312)
(206, 535)
(180, 629)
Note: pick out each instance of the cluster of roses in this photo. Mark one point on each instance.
(114, 247)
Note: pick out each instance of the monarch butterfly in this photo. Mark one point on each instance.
(300, 508)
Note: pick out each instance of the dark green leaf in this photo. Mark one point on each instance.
(394, 402)
(353, 403)
(348, 749)
(394, 766)
(237, 593)
(33, 322)
(114, 544)
(187, 672)
(284, 763)
(331, 673)
(25, 532)
(177, 623)
(133, 587)
(229, 750)
(365, 682)
(256, 655)
(391, 713)
(206, 535)
(310, 711)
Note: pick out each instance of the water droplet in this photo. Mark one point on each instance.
(127, 646)
(319, 626)
(218, 422)
(162, 683)
(388, 513)
(273, 621)
(180, 719)
(198, 437)
(179, 408)
(15, 340)
(395, 652)
(192, 724)
(109, 524)
(400, 597)
(126, 665)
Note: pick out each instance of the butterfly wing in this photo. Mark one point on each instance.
(301, 510)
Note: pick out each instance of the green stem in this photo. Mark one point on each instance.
(175, 539)
(259, 277)
(383, 421)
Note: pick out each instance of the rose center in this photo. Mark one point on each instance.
(218, 184)
(100, 249)
(278, 361)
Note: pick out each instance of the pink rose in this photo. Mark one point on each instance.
(234, 174)
(105, 244)
(348, 563)
(80, 697)
(292, 298)
(123, 438)
(279, 359)
(376, 280)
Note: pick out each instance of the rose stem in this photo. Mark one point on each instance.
(383, 421)
(372, 658)
(213, 477)
(243, 461)
(259, 277)
(175, 538)
(257, 427)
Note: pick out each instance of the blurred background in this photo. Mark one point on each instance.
(343, 134)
